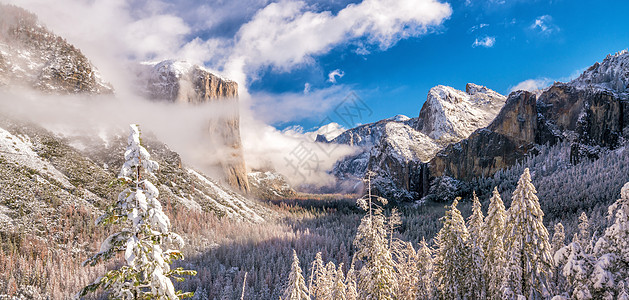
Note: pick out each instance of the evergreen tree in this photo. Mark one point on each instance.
(376, 278)
(296, 288)
(338, 291)
(475, 223)
(612, 249)
(317, 278)
(585, 237)
(350, 284)
(455, 268)
(557, 244)
(577, 270)
(493, 246)
(529, 267)
(407, 271)
(426, 283)
(145, 230)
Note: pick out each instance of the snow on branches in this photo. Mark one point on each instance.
(143, 236)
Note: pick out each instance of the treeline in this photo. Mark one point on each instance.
(507, 254)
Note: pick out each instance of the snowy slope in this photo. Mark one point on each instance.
(36, 166)
(390, 146)
(451, 115)
(32, 56)
(611, 75)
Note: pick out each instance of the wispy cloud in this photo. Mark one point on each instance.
(544, 25)
(336, 73)
(532, 85)
(487, 42)
(477, 27)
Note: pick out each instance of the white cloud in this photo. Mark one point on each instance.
(238, 39)
(300, 32)
(544, 25)
(532, 85)
(332, 75)
(487, 42)
(306, 88)
(477, 27)
(288, 107)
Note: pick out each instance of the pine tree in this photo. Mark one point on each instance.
(426, 283)
(493, 246)
(317, 278)
(338, 291)
(296, 288)
(612, 249)
(376, 278)
(557, 244)
(350, 284)
(407, 271)
(585, 237)
(456, 272)
(577, 270)
(475, 223)
(145, 230)
(529, 264)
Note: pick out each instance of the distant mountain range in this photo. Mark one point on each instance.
(472, 134)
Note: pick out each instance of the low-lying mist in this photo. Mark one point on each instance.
(183, 127)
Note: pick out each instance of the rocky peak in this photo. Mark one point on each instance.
(449, 115)
(32, 56)
(180, 81)
(612, 75)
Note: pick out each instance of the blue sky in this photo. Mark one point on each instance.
(542, 40)
(391, 52)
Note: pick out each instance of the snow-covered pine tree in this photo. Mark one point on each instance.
(475, 227)
(529, 267)
(144, 231)
(475, 222)
(407, 270)
(558, 242)
(493, 246)
(350, 284)
(456, 272)
(426, 283)
(376, 278)
(576, 268)
(585, 236)
(612, 250)
(338, 291)
(296, 288)
(328, 281)
(317, 277)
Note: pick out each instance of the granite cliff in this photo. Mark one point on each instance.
(179, 81)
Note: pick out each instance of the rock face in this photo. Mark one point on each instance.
(451, 115)
(502, 143)
(32, 56)
(395, 148)
(178, 81)
(589, 112)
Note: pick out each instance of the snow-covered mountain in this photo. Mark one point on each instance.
(34, 57)
(181, 81)
(589, 113)
(41, 173)
(394, 147)
(451, 115)
(611, 75)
